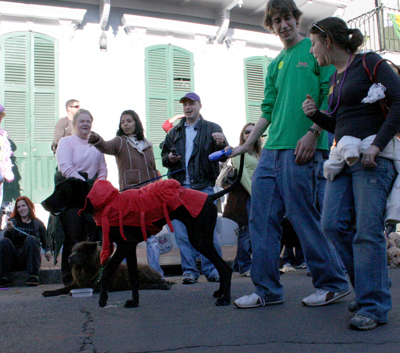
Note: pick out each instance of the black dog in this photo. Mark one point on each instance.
(72, 193)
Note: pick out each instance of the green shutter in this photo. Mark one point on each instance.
(254, 74)
(29, 89)
(44, 88)
(182, 76)
(169, 76)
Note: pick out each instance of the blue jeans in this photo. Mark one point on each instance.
(242, 262)
(281, 187)
(189, 254)
(153, 254)
(359, 194)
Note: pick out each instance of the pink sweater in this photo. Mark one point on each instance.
(75, 155)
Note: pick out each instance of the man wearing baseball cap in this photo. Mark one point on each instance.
(186, 149)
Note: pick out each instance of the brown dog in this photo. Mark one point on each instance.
(85, 261)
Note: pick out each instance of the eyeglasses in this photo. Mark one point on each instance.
(318, 27)
(248, 131)
(75, 106)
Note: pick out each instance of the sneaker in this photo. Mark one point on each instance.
(189, 278)
(288, 268)
(362, 323)
(302, 266)
(323, 297)
(214, 279)
(4, 282)
(32, 281)
(246, 274)
(253, 301)
(353, 306)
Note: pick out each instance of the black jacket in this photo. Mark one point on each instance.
(202, 171)
(18, 238)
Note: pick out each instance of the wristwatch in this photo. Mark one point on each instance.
(314, 131)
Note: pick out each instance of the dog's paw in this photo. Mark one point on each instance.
(131, 304)
(218, 293)
(47, 293)
(103, 302)
(223, 302)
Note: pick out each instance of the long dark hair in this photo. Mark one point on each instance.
(337, 31)
(30, 205)
(257, 144)
(138, 129)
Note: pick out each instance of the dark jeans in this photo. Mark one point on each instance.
(76, 229)
(27, 258)
(291, 241)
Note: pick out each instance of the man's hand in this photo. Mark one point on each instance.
(48, 255)
(237, 151)
(305, 148)
(219, 138)
(173, 157)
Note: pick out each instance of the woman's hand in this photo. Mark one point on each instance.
(10, 226)
(309, 106)
(368, 158)
(93, 137)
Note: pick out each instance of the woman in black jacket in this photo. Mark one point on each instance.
(20, 248)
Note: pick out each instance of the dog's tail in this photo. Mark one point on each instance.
(221, 193)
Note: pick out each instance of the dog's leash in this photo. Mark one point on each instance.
(156, 178)
(20, 230)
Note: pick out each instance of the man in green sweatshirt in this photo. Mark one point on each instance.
(284, 182)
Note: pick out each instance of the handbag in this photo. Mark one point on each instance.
(165, 243)
(227, 176)
(384, 103)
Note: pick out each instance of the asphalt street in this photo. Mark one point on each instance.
(185, 320)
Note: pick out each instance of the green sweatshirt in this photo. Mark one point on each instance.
(292, 75)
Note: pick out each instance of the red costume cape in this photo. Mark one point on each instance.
(140, 207)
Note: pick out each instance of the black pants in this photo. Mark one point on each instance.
(76, 229)
(27, 258)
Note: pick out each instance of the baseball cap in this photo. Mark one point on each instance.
(192, 96)
(1, 108)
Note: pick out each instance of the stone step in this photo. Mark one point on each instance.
(169, 262)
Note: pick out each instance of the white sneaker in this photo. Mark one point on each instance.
(323, 297)
(245, 274)
(288, 268)
(253, 301)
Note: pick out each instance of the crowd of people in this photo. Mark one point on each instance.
(314, 86)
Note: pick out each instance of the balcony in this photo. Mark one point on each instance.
(379, 30)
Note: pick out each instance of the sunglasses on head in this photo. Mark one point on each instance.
(248, 131)
(75, 106)
(318, 27)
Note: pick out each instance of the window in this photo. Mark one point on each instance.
(169, 76)
(254, 78)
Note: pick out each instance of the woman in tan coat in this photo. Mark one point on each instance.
(136, 165)
(133, 152)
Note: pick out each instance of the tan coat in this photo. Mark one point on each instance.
(134, 167)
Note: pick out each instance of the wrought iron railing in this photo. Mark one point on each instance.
(377, 26)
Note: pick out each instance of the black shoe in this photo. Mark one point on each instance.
(353, 306)
(4, 282)
(32, 281)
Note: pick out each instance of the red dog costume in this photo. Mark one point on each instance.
(140, 207)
